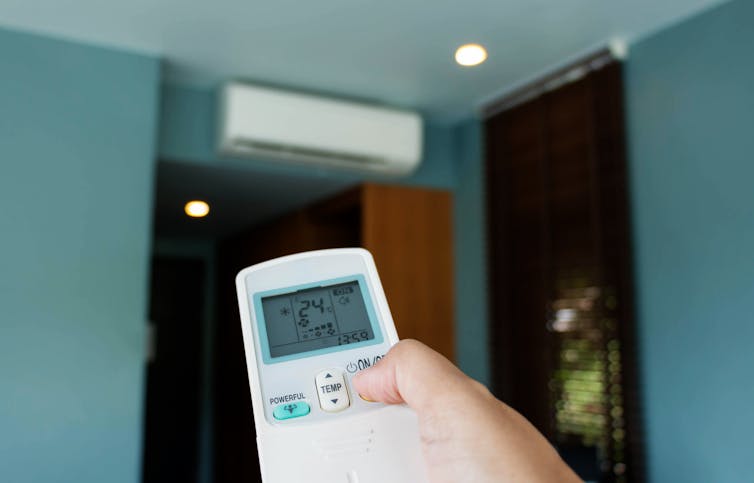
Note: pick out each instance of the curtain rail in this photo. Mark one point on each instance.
(559, 77)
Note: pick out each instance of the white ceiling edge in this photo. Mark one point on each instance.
(206, 80)
(92, 41)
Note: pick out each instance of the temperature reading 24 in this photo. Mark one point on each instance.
(352, 337)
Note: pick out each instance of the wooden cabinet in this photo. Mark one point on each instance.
(409, 232)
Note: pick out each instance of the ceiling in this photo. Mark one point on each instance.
(391, 51)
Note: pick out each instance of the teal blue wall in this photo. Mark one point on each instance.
(470, 256)
(691, 131)
(188, 129)
(77, 142)
(77, 135)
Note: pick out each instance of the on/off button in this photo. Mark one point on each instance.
(332, 391)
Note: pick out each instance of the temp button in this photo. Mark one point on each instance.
(332, 391)
(290, 410)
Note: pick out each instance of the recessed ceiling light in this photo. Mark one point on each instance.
(470, 55)
(196, 209)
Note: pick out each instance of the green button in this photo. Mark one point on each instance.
(291, 410)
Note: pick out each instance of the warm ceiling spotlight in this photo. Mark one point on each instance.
(196, 209)
(470, 55)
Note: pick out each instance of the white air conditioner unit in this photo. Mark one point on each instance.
(309, 130)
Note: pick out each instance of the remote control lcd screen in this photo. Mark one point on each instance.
(316, 318)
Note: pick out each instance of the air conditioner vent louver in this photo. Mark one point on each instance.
(281, 150)
(315, 131)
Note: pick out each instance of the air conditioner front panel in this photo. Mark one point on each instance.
(262, 120)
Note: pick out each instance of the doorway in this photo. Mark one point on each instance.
(255, 217)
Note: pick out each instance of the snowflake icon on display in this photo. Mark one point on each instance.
(285, 311)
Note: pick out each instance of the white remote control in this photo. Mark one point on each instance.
(310, 322)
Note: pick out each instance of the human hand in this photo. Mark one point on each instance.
(467, 435)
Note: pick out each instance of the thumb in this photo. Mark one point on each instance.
(414, 374)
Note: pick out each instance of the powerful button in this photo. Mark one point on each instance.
(332, 391)
(291, 410)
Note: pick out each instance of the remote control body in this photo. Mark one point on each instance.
(310, 322)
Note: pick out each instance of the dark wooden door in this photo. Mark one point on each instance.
(173, 371)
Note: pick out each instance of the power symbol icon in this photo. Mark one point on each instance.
(351, 367)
